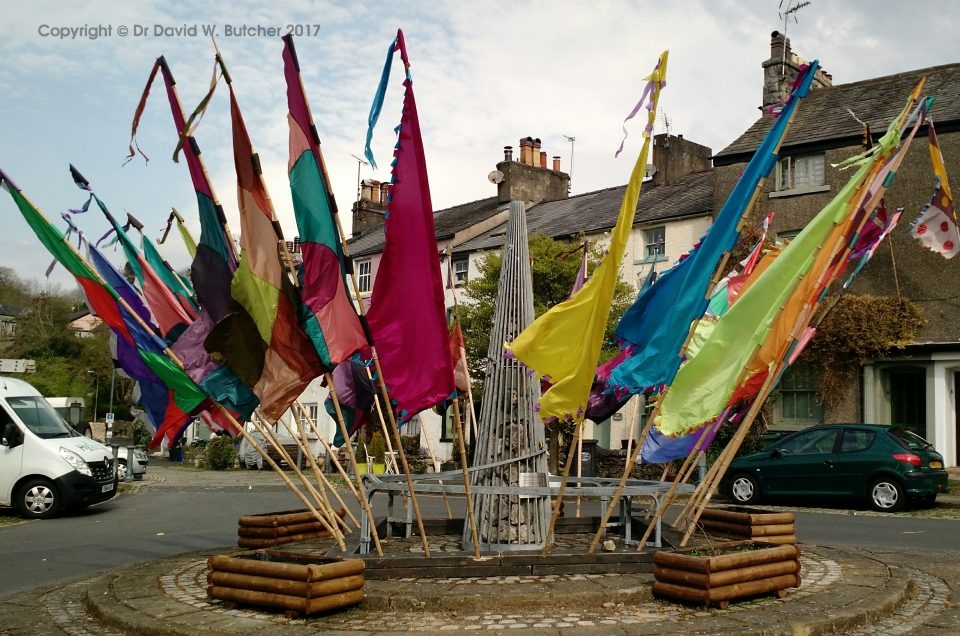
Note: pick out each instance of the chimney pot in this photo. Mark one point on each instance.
(543, 159)
(556, 164)
(508, 153)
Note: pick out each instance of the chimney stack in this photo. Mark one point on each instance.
(530, 178)
(782, 70)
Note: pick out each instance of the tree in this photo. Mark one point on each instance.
(554, 267)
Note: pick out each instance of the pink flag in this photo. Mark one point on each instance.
(407, 316)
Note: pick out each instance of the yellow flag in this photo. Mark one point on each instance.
(563, 345)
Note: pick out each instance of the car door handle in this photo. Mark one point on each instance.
(828, 463)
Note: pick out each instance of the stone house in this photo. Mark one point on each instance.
(916, 387)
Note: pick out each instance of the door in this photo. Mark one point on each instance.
(10, 462)
(854, 461)
(908, 398)
(804, 466)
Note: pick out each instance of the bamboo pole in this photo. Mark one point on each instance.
(458, 428)
(328, 451)
(436, 466)
(318, 474)
(390, 459)
(555, 514)
(327, 513)
(353, 464)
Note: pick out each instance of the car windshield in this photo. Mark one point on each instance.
(40, 417)
(910, 439)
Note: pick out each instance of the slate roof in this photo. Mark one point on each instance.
(823, 119)
(12, 310)
(588, 213)
(447, 222)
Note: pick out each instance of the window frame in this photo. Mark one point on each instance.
(460, 277)
(787, 169)
(655, 238)
(364, 278)
(798, 386)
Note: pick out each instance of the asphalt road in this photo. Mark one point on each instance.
(156, 523)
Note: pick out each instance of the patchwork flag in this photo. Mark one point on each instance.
(328, 316)
(260, 337)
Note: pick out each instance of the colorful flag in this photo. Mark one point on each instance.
(185, 235)
(458, 355)
(407, 317)
(170, 315)
(563, 345)
(183, 395)
(328, 315)
(260, 338)
(659, 320)
(935, 227)
(355, 394)
(752, 338)
(212, 267)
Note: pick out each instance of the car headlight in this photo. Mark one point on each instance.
(75, 461)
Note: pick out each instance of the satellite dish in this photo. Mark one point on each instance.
(495, 177)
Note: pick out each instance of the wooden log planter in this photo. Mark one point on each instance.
(276, 528)
(286, 581)
(735, 570)
(750, 523)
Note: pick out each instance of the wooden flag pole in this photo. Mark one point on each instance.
(436, 468)
(461, 442)
(318, 474)
(353, 464)
(327, 450)
(558, 503)
(321, 504)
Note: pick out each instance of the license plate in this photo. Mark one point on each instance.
(936, 464)
(107, 488)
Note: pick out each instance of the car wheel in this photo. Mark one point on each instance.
(38, 499)
(121, 470)
(886, 495)
(744, 488)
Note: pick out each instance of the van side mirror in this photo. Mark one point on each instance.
(12, 435)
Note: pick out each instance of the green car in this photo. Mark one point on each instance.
(884, 464)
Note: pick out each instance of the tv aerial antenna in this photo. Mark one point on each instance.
(360, 162)
(571, 140)
(785, 14)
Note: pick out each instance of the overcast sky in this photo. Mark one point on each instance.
(485, 75)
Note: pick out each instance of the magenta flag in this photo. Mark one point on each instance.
(407, 317)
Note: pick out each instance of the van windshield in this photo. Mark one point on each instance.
(40, 417)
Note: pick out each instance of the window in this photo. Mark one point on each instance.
(814, 442)
(460, 269)
(363, 276)
(804, 173)
(655, 244)
(856, 440)
(799, 399)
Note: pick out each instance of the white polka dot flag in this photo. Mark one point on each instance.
(935, 227)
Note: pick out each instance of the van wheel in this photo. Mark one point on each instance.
(38, 499)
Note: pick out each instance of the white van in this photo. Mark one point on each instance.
(46, 466)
